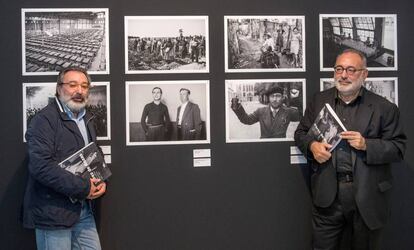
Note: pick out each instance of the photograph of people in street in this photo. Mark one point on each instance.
(264, 43)
(263, 109)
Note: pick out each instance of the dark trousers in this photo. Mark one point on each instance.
(155, 133)
(194, 54)
(185, 134)
(340, 226)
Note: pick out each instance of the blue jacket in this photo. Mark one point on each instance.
(51, 137)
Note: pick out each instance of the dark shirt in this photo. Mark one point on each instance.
(157, 115)
(346, 112)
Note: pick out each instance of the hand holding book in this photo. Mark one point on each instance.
(355, 139)
(98, 188)
(321, 151)
(89, 163)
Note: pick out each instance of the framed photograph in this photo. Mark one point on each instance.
(264, 110)
(386, 87)
(373, 35)
(166, 44)
(264, 43)
(36, 96)
(167, 112)
(53, 39)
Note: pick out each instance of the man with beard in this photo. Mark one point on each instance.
(155, 119)
(351, 185)
(274, 119)
(56, 132)
(188, 118)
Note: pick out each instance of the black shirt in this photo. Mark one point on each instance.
(346, 112)
(157, 115)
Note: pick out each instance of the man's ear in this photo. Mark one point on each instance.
(365, 74)
(58, 89)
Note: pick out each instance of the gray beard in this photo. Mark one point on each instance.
(350, 92)
(75, 107)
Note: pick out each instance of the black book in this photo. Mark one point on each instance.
(87, 162)
(327, 127)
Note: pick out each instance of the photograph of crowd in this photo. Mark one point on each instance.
(373, 35)
(166, 44)
(59, 38)
(263, 110)
(386, 87)
(36, 96)
(167, 112)
(264, 43)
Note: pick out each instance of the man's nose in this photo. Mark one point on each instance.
(344, 74)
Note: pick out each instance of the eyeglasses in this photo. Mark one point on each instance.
(349, 70)
(74, 85)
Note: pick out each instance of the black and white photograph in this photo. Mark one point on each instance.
(166, 44)
(36, 96)
(167, 112)
(263, 110)
(386, 87)
(373, 35)
(59, 38)
(327, 127)
(264, 43)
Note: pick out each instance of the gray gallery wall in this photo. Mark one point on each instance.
(251, 197)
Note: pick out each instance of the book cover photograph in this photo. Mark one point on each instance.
(327, 127)
(88, 162)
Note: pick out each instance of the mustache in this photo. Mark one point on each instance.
(343, 81)
(78, 96)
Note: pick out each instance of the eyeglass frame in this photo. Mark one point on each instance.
(347, 70)
(73, 85)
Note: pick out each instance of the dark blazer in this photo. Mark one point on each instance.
(378, 120)
(51, 137)
(191, 123)
(269, 127)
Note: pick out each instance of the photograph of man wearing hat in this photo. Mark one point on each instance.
(274, 119)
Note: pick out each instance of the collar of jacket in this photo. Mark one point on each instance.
(71, 125)
(88, 116)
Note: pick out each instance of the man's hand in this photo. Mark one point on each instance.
(96, 189)
(235, 104)
(355, 139)
(320, 151)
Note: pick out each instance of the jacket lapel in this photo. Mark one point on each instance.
(268, 117)
(186, 111)
(90, 125)
(361, 122)
(178, 114)
(362, 117)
